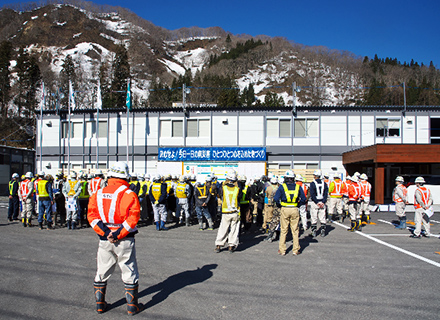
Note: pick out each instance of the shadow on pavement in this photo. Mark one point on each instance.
(170, 285)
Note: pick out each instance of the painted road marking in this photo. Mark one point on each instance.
(435, 221)
(392, 246)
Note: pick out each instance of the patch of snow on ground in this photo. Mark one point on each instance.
(77, 35)
(24, 23)
(193, 59)
(173, 67)
(61, 23)
(34, 17)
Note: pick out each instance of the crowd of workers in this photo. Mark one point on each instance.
(184, 200)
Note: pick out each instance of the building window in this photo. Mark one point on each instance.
(307, 166)
(198, 128)
(91, 129)
(435, 130)
(387, 127)
(77, 130)
(279, 128)
(306, 128)
(171, 128)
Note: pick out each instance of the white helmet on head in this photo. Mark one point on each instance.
(119, 170)
(98, 173)
(317, 173)
(182, 178)
(29, 175)
(274, 180)
(242, 177)
(354, 179)
(357, 174)
(89, 176)
(147, 176)
(156, 177)
(41, 174)
(72, 175)
(208, 178)
(326, 175)
(299, 178)
(193, 177)
(364, 176)
(400, 179)
(289, 174)
(231, 175)
(420, 180)
(15, 176)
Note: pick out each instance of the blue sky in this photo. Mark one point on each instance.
(401, 29)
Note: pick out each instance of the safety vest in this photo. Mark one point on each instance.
(229, 203)
(11, 187)
(327, 182)
(24, 188)
(291, 196)
(396, 198)
(354, 191)
(42, 192)
(156, 190)
(180, 190)
(366, 188)
(426, 193)
(304, 187)
(243, 197)
(336, 185)
(72, 184)
(35, 185)
(149, 184)
(202, 192)
(346, 183)
(109, 208)
(169, 186)
(95, 184)
(84, 191)
(319, 189)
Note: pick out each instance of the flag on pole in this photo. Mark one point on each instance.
(42, 101)
(99, 97)
(71, 96)
(128, 100)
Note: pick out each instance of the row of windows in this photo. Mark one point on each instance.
(276, 128)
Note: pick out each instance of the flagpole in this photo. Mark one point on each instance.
(128, 116)
(97, 127)
(68, 137)
(41, 127)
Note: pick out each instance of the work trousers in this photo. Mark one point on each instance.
(14, 208)
(202, 211)
(182, 204)
(160, 212)
(228, 230)
(335, 204)
(45, 208)
(71, 209)
(289, 217)
(268, 214)
(245, 215)
(303, 215)
(419, 219)
(365, 206)
(400, 209)
(316, 214)
(122, 253)
(26, 212)
(353, 210)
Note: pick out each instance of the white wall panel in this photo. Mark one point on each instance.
(224, 134)
(333, 130)
(251, 131)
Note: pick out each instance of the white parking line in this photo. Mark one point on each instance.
(392, 246)
(435, 221)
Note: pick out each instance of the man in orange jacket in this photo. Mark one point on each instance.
(113, 213)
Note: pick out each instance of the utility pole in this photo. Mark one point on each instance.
(294, 98)
(404, 99)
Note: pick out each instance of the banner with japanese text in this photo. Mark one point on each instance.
(212, 154)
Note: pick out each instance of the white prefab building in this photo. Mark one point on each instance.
(310, 138)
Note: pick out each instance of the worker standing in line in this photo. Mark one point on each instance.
(318, 195)
(335, 191)
(14, 201)
(182, 193)
(202, 196)
(400, 194)
(354, 195)
(245, 207)
(113, 213)
(96, 183)
(158, 197)
(269, 193)
(422, 203)
(365, 197)
(303, 206)
(27, 195)
(44, 190)
(228, 231)
(289, 196)
(71, 191)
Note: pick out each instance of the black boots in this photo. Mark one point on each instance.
(323, 227)
(131, 295)
(359, 225)
(313, 229)
(353, 226)
(100, 288)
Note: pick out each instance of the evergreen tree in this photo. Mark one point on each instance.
(5, 76)
(68, 73)
(272, 100)
(121, 74)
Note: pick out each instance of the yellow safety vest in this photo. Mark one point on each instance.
(291, 196)
(229, 203)
(84, 191)
(243, 201)
(72, 184)
(11, 186)
(202, 192)
(180, 190)
(156, 188)
(42, 192)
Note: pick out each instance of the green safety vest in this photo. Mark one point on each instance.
(243, 201)
(11, 187)
(291, 196)
(84, 191)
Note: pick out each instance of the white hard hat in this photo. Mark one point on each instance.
(29, 175)
(231, 175)
(156, 177)
(289, 174)
(15, 176)
(119, 170)
(357, 174)
(41, 174)
(364, 176)
(400, 179)
(274, 180)
(420, 180)
(208, 178)
(174, 177)
(89, 176)
(326, 175)
(317, 173)
(242, 177)
(354, 179)
(182, 179)
(193, 177)
(281, 180)
(299, 178)
(72, 175)
(147, 176)
(133, 175)
(98, 172)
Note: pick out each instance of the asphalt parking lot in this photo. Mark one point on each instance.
(380, 273)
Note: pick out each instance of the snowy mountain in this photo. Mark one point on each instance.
(91, 34)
